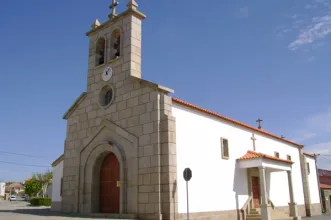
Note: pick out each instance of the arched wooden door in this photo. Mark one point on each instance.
(109, 188)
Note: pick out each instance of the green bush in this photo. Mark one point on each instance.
(40, 201)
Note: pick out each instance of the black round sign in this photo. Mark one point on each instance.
(187, 174)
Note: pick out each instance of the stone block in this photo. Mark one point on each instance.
(148, 150)
(143, 198)
(145, 118)
(150, 208)
(147, 179)
(138, 110)
(148, 128)
(144, 98)
(121, 105)
(142, 208)
(126, 113)
(144, 140)
(82, 134)
(83, 117)
(144, 162)
(92, 114)
(133, 121)
(133, 102)
(155, 160)
(146, 189)
(135, 92)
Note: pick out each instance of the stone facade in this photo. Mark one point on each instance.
(137, 127)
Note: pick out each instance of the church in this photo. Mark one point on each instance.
(128, 142)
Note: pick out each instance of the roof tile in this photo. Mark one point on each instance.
(255, 155)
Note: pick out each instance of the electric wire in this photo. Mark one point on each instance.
(27, 165)
(26, 155)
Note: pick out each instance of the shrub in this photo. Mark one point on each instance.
(40, 201)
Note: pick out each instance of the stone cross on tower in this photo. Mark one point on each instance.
(253, 138)
(113, 9)
(259, 121)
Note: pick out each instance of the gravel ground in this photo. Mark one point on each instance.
(20, 210)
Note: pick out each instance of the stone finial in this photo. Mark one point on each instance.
(95, 24)
(132, 5)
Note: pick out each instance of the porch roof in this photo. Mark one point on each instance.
(254, 155)
(325, 186)
(256, 159)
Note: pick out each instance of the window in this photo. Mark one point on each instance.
(225, 148)
(100, 52)
(277, 154)
(115, 44)
(308, 168)
(289, 157)
(106, 96)
(61, 186)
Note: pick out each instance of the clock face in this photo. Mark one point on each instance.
(107, 73)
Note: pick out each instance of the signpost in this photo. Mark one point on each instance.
(187, 177)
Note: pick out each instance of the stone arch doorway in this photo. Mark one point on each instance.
(109, 194)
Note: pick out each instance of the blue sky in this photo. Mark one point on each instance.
(243, 59)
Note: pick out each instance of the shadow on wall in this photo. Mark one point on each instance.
(174, 190)
(240, 187)
(268, 182)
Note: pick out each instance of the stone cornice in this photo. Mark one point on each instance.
(153, 85)
(74, 106)
(118, 17)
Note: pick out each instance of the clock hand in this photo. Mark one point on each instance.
(107, 72)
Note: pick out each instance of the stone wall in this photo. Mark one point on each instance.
(141, 109)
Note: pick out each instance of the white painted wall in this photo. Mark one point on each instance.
(278, 181)
(313, 181)
(2, 189)
(219, 184)
(56, 184)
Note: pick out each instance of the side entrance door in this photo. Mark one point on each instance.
(256, 192)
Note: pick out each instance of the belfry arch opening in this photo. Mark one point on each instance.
(100, 51)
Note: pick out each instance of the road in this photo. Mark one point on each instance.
(19, 210)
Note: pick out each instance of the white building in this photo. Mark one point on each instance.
(128, 142)
(225, 156)
(56, 188)
(2, 188)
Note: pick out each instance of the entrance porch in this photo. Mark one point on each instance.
(258, 165)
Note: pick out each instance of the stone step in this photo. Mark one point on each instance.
(114, 216)
(253, 209)
(254, 215)
(254, 212)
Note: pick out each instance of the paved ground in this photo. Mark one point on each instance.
(19, 210)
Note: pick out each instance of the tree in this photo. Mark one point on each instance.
(45, 180)
(32, 187)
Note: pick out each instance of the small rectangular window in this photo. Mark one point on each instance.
(225, 148)
(308, 168)
(277, 154)
(289, 157)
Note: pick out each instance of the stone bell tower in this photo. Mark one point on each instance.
(120, 147)
(116, 43)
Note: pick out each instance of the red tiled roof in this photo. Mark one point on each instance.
(234, 121)
(325, 186)
(309, 155)
(255, 155)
